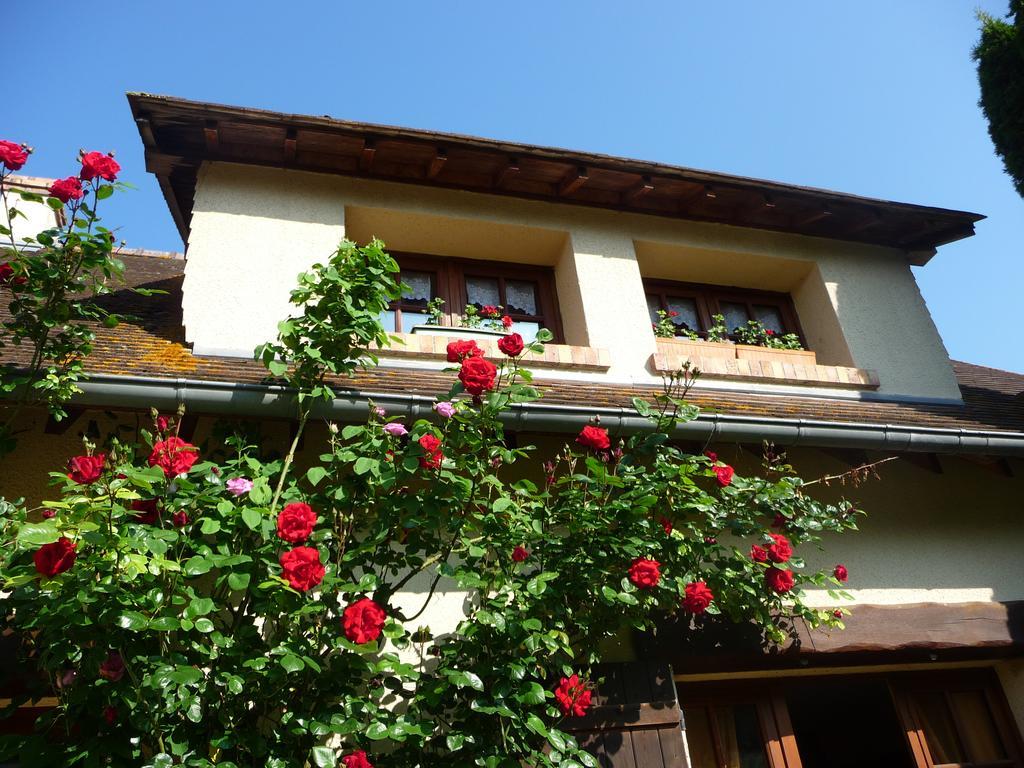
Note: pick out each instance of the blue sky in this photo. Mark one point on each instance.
(876, 98)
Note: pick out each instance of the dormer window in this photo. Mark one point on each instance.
(696, 304)
(525, 293)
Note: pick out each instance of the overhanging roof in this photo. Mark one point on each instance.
(179, 135)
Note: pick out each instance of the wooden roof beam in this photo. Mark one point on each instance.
(507, 173)
(367, 155)
(290, 145)
(573, 180)
(437, 163)
(873, 219)
(211, 135)
(643, 187)
(146, 131)
(813, 218)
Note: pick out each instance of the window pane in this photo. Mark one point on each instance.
(770, 317)
(735, 314)
(419, 291)
(976, 725)
(687, 309)
(937, 724)
(410, 319)
(527, 330)
(653, 305)
(387, 319)
(740, 732)
(482, 291)
(520, 297)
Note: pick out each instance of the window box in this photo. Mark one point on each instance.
(457, 332)
(793, 356)
(697, 349)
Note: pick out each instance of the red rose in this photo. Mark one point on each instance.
(86, 469)
(295, 522)
(758, 554)
(511, 345)
(711, 455)
(48, 513)
(840, 573)
(146, 511)
(54, 558)
(432, 453)
(180, 518)
(779, 580)
(13, 155)
(477, 375)
(780, 521)
(781, 550)
(112, 668)
(67, 189)
(110, 715)
(723, 474)
(594, 438)
(174, 456)
(645, 573)
(363, 621)
(460, 350)
(97, 164)
(697, 597)
(572, 696)
(357, 759)
(162, 423)
(301, 567)
(837, 613)
(506, 321)
(6, 272)
(519, 554)
(666, 524)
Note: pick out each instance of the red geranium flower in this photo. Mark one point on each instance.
(477, 375)
(511, 345)
(520, 553)
(645, 573)
(779, 580)
(507, 321)
(363, 621)
(295, 522)
(357, 759)
(758, 554)
(146, 511)
(487, 310)
(723, 474)
(697, 597)
(572, 696)
(13, 155)
(432, 453)
(86, 469)
(840, 573)
(67, 189)
(54, 558)
(594, 438)
(781, 550)
(301, 568)
(460, 350)
(97, 164)
(174, 456)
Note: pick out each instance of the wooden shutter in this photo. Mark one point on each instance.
(635, 721)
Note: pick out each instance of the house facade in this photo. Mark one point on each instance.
(930, 669)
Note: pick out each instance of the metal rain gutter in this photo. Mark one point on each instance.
(273, 401)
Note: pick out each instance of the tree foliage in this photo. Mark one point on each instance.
(1000, 57)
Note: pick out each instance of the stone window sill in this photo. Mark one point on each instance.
(746, 363)
(562, 356)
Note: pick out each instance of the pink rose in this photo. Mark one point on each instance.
(395, 429)
(239, 486)
(445, 409)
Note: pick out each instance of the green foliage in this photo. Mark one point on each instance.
(57, 275)
(227, 664)
(1000, 57)
(754, 333)
(718, 331)
(668, 328)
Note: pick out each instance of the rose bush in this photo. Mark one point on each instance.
(212, 605)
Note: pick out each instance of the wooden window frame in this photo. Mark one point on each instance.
(709, 298)
(449, 282)
(777, 728)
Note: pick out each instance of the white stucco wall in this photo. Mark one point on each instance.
(254, 229)
(35, 216)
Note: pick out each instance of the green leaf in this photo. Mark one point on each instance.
(292, 663)
(37, 534)
(365, 464)
(377, 731)
(251, 517)
(165, 623)
(204, 625)
(323, 757)
(238, 580)
(536, 725)
(196, 566)
(315, 474)
(209, 526)
(260, 493)
(132, 620)
(556, 740)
